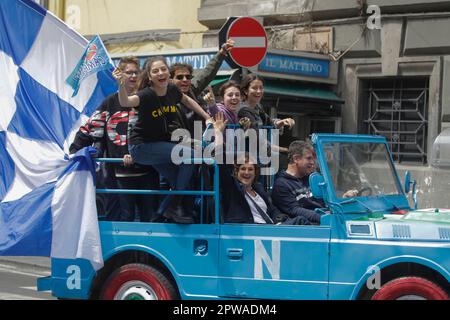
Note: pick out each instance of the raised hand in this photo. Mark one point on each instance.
(128, 160)
(245, 123)
(118, 75)
(289, 122)
(219, 122)
(209, 97)
(227, 46)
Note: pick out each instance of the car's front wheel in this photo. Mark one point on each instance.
(410, 288)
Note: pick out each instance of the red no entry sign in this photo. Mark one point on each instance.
(250, 39)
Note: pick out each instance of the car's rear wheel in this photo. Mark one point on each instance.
(138, 282)
(410, 288)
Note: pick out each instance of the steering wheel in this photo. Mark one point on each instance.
(368, 190)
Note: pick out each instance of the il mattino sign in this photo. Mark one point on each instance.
(300, 66)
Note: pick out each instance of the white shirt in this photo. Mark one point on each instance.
(260, 202)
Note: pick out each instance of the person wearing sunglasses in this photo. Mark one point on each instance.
(182, 75)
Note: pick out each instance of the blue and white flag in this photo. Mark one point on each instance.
(47, 201)
(95, 58)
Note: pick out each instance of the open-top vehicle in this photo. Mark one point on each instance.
(372, 246)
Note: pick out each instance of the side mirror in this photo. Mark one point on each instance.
(408, 183)
(317, 184)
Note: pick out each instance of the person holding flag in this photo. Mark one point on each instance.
(108, 129)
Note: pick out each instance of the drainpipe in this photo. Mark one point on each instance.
(62, 9)
(58, 7)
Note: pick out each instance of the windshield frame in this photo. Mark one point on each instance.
(372, 203)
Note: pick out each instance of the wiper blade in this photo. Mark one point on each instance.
(389, 202)
(351, 200)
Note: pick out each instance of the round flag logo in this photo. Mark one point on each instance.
(91, 52)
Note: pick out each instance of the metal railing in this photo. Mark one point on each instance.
(215, 192)
(202, 192)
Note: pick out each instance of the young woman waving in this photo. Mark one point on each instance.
(150, 138)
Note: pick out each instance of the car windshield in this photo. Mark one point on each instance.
(365, 167)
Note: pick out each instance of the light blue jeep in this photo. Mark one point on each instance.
(372, 246)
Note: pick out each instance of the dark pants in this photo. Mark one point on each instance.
(108, 205)
(298, 220)
(145, 205)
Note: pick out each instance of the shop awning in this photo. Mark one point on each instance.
(219, 80)
(293, 89)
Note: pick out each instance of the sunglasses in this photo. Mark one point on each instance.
(182, 76)
(131, 73)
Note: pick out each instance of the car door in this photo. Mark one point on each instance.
(273, 261)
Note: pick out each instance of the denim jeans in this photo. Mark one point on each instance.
(158, 155)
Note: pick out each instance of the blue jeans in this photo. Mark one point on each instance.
(158, 155)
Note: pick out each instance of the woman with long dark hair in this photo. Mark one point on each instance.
(252, 89)
(150, 138)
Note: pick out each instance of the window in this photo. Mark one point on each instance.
(397, 108)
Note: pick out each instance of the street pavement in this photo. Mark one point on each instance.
(18, 277)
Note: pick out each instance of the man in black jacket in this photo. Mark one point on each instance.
(291, 192)
(182, 76)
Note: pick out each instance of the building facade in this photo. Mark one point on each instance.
(387, 62)
(393, 68)
(136, 26)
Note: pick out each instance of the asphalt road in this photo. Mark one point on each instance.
(20, 284)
